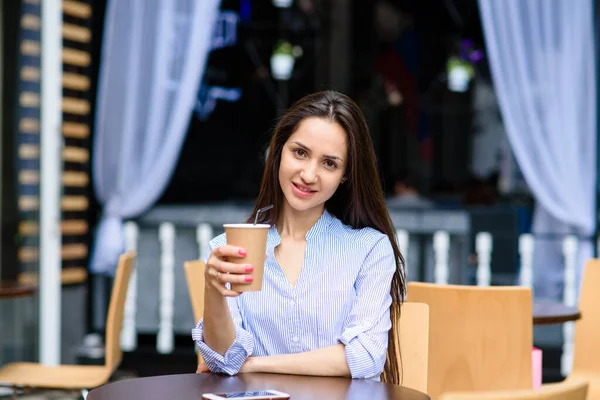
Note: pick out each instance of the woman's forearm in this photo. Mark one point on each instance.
(219, 330)
(328, 361)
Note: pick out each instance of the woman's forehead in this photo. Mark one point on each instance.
(322, 136)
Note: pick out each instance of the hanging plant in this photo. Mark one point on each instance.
(282, 60)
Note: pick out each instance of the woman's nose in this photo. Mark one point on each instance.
(309, 174)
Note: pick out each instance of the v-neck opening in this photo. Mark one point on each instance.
(283, 271)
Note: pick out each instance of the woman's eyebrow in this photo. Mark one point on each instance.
(325, 156)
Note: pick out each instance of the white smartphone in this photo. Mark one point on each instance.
(249, 395)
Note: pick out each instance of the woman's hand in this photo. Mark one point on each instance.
(220, 271)
(202, 369)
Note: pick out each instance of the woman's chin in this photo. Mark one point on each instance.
(303, 205)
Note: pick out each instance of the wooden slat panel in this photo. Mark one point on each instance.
(75, 106)
(29, 99)
(28, 254)
(29, 177)
(76, 154)
(75, 81)
(29, 203)
(68, 276)
(72, 227)
(31, 74)
(74, 251)
(75, 130)
(30, 48)
(73, 178)
(31, 22)
(29, 151)
(27, 228)
(74, 203)
(76, 33)
(29, 125)
(68, 252)
(76, 9)
(76, 57)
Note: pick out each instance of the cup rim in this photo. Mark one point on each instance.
(247, 226)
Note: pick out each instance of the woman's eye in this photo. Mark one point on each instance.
(330, 164)
(300, 152)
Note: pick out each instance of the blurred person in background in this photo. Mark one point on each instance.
(406, 192)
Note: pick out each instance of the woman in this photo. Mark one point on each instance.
(334, 277)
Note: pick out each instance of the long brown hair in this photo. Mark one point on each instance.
(359, 202)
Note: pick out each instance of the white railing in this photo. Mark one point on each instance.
(441, 252)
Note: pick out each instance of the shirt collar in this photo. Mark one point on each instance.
(320, 226)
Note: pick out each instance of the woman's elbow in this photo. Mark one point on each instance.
(370, 365)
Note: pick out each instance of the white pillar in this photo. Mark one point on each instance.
(204, 233)
(129, 331)
(526, 246)
(164, 341)
(50, 182)
(441, 249)
(403, 239)
(570, 245)
(484, 247)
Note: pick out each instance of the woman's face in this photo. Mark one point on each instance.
(313, 163)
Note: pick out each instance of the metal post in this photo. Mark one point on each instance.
(50, 183)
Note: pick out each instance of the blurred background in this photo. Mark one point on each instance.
(143, 124)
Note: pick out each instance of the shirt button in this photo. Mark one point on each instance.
(295, 339)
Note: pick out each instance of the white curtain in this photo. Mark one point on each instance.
(154, 54)
(541, 55)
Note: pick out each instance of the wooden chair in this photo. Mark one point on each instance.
(480, 338)
(414, 345)
(194, 275)
(586, 357)
(78, 377)
(575, 390)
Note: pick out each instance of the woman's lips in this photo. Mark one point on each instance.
(302, 191)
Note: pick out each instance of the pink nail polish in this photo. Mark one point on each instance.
(249, 268)
(242, 252)
(249, 279)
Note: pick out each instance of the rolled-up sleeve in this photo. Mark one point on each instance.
(241, 348)
(366, 329)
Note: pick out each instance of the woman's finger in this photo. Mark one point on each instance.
(234, 278)
(227, 267)
(223, 290)
(229, 251)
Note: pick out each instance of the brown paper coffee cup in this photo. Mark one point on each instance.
(253, 239)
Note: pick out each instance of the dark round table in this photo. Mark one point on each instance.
(548, 312)
(11, 290)
(193, 386)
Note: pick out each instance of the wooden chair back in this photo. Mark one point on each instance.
(586, 354)
(194, 275)
(114, 318)
(414, 345)
(480, 338)
(568, 390)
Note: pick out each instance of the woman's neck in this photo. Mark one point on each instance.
(295, 224)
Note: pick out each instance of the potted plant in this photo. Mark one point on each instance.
(282, 3)
(282, 60)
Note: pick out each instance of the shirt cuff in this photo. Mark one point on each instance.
(233, 359)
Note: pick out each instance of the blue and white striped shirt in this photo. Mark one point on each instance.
(342, 296)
